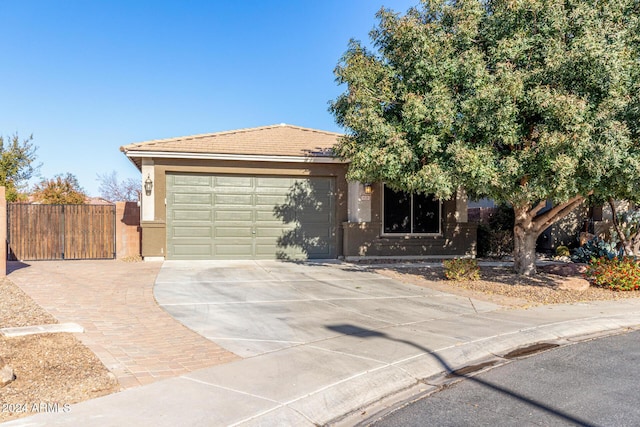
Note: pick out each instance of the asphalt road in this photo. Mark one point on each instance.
(593, 383)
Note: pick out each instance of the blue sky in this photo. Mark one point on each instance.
(86, 77)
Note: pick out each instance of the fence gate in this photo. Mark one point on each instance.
(48, 232)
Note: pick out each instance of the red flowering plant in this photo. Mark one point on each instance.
(618, 274)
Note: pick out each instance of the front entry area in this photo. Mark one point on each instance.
(250, 217)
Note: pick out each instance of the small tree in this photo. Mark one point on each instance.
(110, 188)
(522, 102)
(60, 190)
(16, 164)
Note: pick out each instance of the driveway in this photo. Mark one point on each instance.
(320, 341)
(113, 301)
(256, 307)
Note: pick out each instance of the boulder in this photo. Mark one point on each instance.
(6, 373)
(573, 284)
(569, 269)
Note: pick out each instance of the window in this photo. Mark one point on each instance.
(406, 213)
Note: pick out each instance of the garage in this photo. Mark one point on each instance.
(249, 217)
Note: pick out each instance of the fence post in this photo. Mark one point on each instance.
(3, 233)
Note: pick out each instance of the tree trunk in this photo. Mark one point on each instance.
(524, 247)
(529, 225)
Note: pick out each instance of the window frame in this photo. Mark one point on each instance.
(410, 234)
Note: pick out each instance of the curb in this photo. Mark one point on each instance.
(482, 355)
(41, 329)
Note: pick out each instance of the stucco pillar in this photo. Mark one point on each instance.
(359, 203)
(148, 203)
(461, 206)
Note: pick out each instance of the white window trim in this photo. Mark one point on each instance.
(383, 234)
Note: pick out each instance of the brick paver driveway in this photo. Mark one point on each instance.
(113, 300)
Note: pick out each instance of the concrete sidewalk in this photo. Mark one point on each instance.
(352, 369)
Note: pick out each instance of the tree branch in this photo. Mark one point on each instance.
(557, 212)
(616, 225)
(538, 208)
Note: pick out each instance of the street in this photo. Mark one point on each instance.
(592, 383)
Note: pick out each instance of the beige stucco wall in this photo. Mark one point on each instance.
(154, 232)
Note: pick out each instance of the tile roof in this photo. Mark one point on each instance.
(274, 140)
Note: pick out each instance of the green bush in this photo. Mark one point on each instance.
(496, 237)
(562, 251)
(461, 269)
(618, 274)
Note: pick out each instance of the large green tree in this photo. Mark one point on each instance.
(17, 166)
(522, 101)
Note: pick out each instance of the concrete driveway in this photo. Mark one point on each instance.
(256, 307)
(323, 343)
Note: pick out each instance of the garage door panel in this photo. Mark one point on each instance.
(322, 218)
(316, 231)
(266, 183)
(273, 232)
(233, 215)
(192, 215)
(233, 231)
(192, 199)
(320, 186)
(231, 249)
(233, 181)
(319, 252)
(271, 200)
(191, 181)
(233, 200)
(265, 216)
(192, 251)
(250, 217)
(192, 232)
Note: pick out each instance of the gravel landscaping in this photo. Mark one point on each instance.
(500, 285)
(52, 370)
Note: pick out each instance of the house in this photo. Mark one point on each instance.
(279, 192)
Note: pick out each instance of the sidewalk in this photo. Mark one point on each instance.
(320, 382)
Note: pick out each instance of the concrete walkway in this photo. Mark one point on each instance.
(322, 341)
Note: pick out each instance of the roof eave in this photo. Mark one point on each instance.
(137, 154)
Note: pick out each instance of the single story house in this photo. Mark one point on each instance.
(278, 192)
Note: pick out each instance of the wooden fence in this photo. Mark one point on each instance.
(48, 232)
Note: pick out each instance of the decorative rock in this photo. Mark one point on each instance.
(6, 373)
(574, 284)
(568, 269)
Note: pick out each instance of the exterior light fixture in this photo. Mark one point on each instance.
(367, 188)
(148, 185)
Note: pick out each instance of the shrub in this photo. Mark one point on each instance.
(593, 249)
(618, 274)
(496, 237)
(461, 269)
(562, 251)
